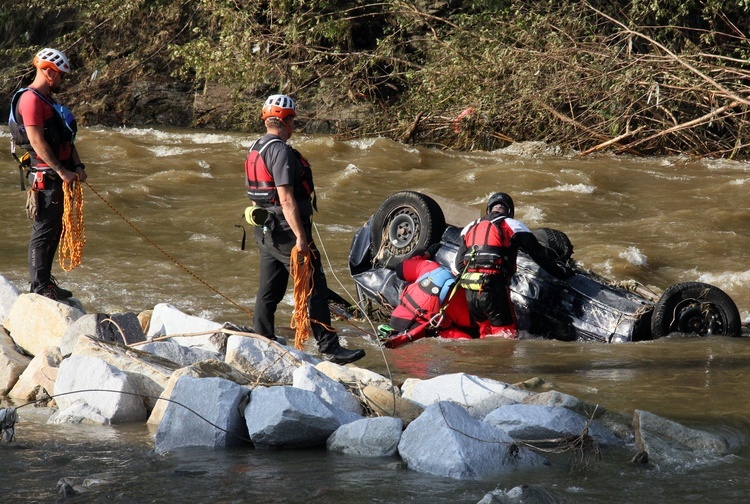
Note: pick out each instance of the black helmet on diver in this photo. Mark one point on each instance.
(502, 199)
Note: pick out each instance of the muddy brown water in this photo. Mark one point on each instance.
(659, 221)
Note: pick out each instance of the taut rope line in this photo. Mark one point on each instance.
(184, 268)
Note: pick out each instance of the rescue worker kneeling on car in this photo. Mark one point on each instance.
(487, 262)
(431, 304)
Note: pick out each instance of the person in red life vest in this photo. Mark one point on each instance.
(431, 305)
(279, 180)
(47, 131)
(487, 260)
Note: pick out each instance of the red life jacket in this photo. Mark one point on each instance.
(424, 297)
(261, 188)
(489, 249)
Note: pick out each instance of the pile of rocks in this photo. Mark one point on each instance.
(209, 384)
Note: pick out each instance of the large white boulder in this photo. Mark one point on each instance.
(355, 377)
(149, 372)
(446, 441)
(267, 360)
(182, 355)
(203, 369)
(369, 437)
(36, 322)
(39, 376)
(308, 378)
(123, 328)
(8, 296)
(12, 363)
(167, 320)
(288, 417)
(558, 399)
(478, 395)
(106, 389)
(203, 412)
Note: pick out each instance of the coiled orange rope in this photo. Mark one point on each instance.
(300, 267)
(73, 231)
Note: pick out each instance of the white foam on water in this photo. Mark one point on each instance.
(634, 256)
(574, 188)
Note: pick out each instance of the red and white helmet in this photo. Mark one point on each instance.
(280, 106)
(52, 58)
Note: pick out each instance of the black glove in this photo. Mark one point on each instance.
(432, 250)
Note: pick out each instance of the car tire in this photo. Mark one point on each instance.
(406, 222)
(556, 241)
(695, 308)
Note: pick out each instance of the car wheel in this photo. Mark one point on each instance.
(695, 308)
(556, 241)
(406, 221)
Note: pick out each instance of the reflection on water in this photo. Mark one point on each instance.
(658, 221)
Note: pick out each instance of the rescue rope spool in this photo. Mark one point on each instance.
(300, 267)
(73, 229)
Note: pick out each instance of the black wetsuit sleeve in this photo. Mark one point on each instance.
(400, 271)
(529, 244)
(459, 262)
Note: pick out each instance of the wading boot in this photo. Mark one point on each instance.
(52, 291)
(341, 355)
(329, 346)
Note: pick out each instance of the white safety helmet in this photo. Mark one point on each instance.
(52, 58)
(280, 106)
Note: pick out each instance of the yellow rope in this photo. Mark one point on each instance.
(73, 230)
(300, 267)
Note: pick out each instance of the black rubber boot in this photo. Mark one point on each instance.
(341, 355)
(329, 346)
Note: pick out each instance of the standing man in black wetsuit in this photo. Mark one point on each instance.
(279, 179)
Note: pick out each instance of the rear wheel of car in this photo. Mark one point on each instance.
(406, 221)
(556, 241)
(695, 308)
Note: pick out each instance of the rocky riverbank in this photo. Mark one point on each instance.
(215, 385)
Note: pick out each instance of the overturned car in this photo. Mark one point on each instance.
(584, 307)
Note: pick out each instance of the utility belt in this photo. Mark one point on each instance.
(481, 281)
(42, 178)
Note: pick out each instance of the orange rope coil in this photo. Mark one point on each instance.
(300, 267)
(73, 230)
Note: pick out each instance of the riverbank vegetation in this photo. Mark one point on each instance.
(643, 77)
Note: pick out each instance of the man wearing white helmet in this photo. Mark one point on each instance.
(279, 180)
(47, 131)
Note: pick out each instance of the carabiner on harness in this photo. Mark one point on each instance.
(436, 321)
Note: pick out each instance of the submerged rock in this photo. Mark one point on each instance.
(369, 437)
(203, 412)
(203, 369)
(531, 422)
(446, 441)
(288, 417)
(669, 442)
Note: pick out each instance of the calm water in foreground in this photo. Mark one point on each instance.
(658, 220)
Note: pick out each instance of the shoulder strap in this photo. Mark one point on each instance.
(265, 145)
